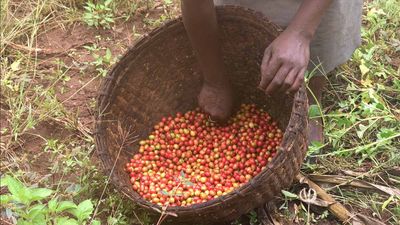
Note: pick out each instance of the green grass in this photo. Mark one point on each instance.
(361, 114)
(360, 108)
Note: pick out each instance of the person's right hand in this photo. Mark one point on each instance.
(216, 99)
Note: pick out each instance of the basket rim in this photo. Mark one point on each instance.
(102, 105)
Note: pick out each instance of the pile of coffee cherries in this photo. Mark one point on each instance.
(189, 159)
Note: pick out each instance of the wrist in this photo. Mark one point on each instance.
(305, 34)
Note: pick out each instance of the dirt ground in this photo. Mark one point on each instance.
(78, 94)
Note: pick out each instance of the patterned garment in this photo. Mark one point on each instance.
(336, 38)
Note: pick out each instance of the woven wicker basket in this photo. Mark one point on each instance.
(159, 76)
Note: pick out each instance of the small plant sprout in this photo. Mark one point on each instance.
(99, 14)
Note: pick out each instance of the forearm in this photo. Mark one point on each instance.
(199, 18)
(308, 17)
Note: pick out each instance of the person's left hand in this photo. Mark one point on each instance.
(284, 63)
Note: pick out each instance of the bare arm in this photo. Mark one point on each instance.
(200, 22)
(286, 59)
(216, 96)
(308, 17)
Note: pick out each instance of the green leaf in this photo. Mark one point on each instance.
(40, 193)
(87, 9)
(86, 206)
(385, 133)
(364, 69)
(289, 195)
(107, 2)
(361, 130)
(95, 222)
(108, 55)
(91, 5)
(65, 221)
(65, 205)
(52, 205)
(21, 221)
(314, 147)
(4, 199)
(343, 122)
(109, 19)
(314, 111)
(386, 203)
(164, 192)
(19, 192)
(83, 210)
(37, 211)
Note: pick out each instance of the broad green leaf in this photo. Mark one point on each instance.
(52, 205)
(386, 133)
(86, 206)
(40, 193)
(95, 222)
(65, 221)
(39, 219)
(65, 205)
(37, 211)
(343, 121)
(289, 194)
(19, 192)
(21, 221)
(314, 111)
(83, 210)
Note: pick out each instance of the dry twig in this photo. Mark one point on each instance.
(337, 209)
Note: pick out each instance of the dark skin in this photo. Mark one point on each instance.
(283, 66)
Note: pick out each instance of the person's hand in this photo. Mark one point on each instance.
(216, 99)
(284, 63)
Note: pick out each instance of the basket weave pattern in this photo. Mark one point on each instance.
(159, 76)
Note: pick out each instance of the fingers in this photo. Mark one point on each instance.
(220, 114)
(277, 80)
(289, 80)
(269, 67)
(298, 82)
